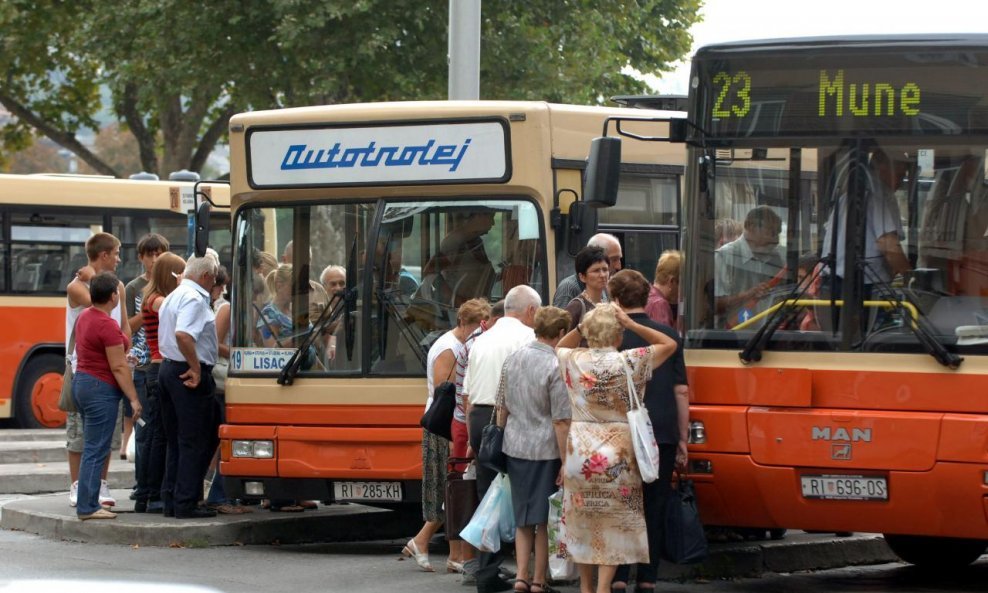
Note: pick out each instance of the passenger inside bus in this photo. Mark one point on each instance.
(747, 268)
(462, 270)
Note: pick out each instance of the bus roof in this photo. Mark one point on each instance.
(81, 190)
(851, 42)
(585, 122)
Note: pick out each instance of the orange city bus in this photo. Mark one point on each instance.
(425, 205)
(44, 223)
(840, 379)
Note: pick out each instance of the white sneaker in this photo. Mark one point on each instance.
(105, 499)
(74, 493)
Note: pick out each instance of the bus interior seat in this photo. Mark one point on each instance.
(949, 313)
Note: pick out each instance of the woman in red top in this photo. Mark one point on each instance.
(102, 378)
(151, 456)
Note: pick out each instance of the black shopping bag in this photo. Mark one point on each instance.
(684, 541)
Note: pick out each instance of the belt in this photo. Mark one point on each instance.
(182, 362)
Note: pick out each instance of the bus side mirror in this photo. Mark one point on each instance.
(603, 172)
(202, 229)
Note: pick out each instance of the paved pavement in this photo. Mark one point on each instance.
(50, 516)
(34, 477)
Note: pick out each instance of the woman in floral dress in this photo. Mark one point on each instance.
(602, 504)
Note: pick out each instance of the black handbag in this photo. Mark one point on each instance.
(683, 538)
(438, 419)
(491, 454)
(461, 499)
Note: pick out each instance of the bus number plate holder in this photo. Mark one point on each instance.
(844, 487)
(387, 491)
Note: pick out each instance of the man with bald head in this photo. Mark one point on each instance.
(570, 286)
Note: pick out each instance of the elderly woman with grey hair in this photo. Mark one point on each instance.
(535, 413)
(602, 501)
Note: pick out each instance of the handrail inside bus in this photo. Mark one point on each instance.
(747, 323)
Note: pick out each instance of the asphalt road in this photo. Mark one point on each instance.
(374, 568)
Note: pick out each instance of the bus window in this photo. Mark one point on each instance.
(432, 257)
(743, 279)
(336, 236)
(644, 201)
(48, 248)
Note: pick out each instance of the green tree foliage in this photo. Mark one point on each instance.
(178, 70)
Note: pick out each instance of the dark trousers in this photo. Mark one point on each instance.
(189, 417)
(150, 438)
(655, 496)
(487, 562)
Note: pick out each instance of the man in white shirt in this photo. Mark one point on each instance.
(187, 342)
(480, 383)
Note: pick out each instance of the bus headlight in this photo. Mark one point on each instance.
(698, 434)
(253, 449)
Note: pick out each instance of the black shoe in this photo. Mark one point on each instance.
(168, 511)
(133, 494)
(493, 585)
(196, 513)
(141, 506)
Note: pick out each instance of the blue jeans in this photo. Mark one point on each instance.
(150, 438)
(98, 403)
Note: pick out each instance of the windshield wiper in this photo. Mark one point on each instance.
(340, 303)
(330, 314)
(918, 324)
(752, 350)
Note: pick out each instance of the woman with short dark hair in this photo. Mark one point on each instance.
(593, 271)
(102, 377)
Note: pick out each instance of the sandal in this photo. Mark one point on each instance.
(524, 588)
(544, 588)
(308, 504)
(288, 508)
(224, 509)
(412, 551)
(453, 566)
(100, 514)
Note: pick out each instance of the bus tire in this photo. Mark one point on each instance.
(935, 552)
(38, 387)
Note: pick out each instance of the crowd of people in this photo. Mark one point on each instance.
(556, 379)
(152, 357)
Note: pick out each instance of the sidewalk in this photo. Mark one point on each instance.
(50, 516)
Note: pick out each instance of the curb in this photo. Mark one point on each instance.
(797, 552)
(51, 517)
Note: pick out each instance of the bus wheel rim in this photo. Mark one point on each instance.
(44, 400)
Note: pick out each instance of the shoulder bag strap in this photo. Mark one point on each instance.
(632, 392)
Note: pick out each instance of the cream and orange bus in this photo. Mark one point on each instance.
(44, 223)
(847, 388)
(425, 204)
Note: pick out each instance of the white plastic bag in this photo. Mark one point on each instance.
(642, 434)
(506, 520)
(561, 566)
(484, 530)
(132, 446)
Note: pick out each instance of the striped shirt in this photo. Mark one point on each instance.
(462, 357)
(150, 328)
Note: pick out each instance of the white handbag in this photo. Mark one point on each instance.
(642, 435)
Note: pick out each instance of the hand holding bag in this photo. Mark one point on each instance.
(438, 419)
(65, 401)
(683, 538)
(642, 434)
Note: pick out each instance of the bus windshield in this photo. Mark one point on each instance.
(407, 266)
(777, 232)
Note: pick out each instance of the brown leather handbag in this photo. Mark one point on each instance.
(461, 499)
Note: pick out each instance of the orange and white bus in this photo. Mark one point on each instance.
(383, 190)
(855, 399)
(44, 223)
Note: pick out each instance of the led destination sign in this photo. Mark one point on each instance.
(862, 94)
